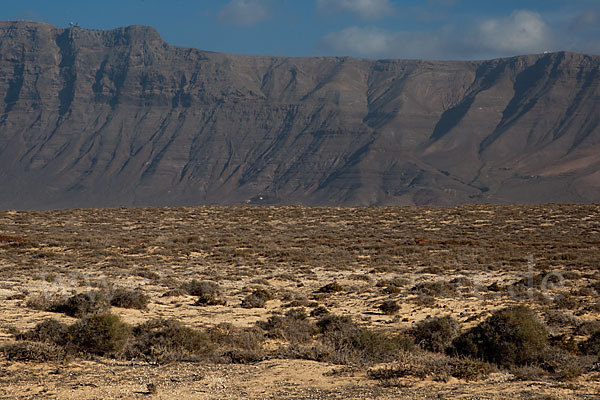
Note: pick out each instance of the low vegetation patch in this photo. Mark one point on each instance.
(82, 304)
(332, 287)
(513, 336)
(389, 307)
(342, 341)
(208, 293)
(101, 334)
(435, 289)
(257, 299)
(436, 334)
(424, 365)
(33, 351)
(126, 298)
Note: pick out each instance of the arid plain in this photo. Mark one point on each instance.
(298, 302)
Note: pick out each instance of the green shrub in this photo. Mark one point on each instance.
(436, 334)
(513, 336)
(100, 334)
(129, 299)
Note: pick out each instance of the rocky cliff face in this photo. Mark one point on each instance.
(110, 118)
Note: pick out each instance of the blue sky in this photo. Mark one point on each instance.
(430, 29)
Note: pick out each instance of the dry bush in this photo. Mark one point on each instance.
(561, 319)
(437, 366)
(174, 293)
(126, 298)
(586, 328)
(566, 301)
(168, 340)
(435, 289)
(392, 286)
(528, 373)
(342, 341)
(592, 345)
(253, 301)
(436, 334)
(424, 300)
(101, 334)
(257, 299)
(263, 294)
(469, 370)
(294, 328)
(562, 365)
(236, 345)
(332, 287)
(42, 302)
(33, 351)
(319, 311)
(81, 304)
(208, 293)
(49, 331)
(389, 307)
(146, 273)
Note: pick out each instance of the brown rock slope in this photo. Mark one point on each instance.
(104, 118)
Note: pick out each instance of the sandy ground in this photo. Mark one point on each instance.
(292, 252)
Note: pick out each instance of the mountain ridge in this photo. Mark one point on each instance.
(96, 118)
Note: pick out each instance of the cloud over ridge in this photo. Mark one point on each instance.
(365, 9)
(244, 12)
(518, 33)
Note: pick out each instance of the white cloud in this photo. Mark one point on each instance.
(244, 12)
(370, 42)
(377, 43)
(521, 32)
(365, 9)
